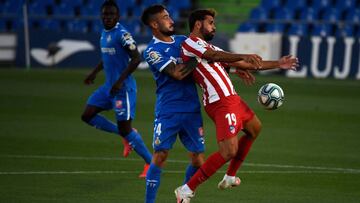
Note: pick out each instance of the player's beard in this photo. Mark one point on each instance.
(168, 33)
(208, 36)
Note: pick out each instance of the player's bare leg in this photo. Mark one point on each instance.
(252, 129)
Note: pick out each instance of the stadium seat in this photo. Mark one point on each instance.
(12, 7)
(295, 5)
(248, 27)
(37, 9)
(283, 14)
(345, 4)
(331, 15)
(346, 30)
(183, 4)
(96, 26)
(321, 4)
(77, 26)
(309, 14)
(270, 4)
(259, 14)
(64, 10)
(3, 27)
(298, 29)
(352, 16)
(51, 24)
(275, 27)
(322, 30)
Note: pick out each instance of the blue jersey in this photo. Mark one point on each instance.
(173, 96)
(114, 44)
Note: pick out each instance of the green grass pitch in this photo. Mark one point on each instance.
(308, 151)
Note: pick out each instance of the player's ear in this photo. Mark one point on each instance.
(154, 24)
(198, 24)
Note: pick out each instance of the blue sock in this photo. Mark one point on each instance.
(138, 145)
(152, 183)
(190, 171)
(104, 124)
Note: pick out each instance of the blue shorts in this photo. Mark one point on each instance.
(189, 127)
(123, 103)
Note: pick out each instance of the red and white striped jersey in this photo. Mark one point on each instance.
(210, 76)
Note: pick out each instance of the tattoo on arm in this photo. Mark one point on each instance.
(179, 71)
(189, 66)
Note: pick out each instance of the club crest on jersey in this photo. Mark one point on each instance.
(154, 57)
(232, 129)
(118, 104)
(157, 141)
(108, 39)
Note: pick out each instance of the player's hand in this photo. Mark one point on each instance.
(90, 79)
(253, 59)
(245, 75)
(289, 62)
(115, 89)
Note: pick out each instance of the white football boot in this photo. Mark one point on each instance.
(183, 195)
(229, 182)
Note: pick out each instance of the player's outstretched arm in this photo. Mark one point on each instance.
(135, 60)
(285, 62)
(227, 57)
(180, 71)
(92, 75)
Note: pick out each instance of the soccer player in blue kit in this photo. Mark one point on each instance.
(119, 90)
(177, 110)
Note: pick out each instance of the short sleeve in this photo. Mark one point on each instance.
(157, 60)
(193, 48)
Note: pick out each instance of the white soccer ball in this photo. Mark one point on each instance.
(271, 96)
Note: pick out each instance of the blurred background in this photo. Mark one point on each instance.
(308, 150)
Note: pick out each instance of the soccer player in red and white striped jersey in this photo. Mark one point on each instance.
(228, 111)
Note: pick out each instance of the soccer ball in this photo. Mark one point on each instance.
(271, 96)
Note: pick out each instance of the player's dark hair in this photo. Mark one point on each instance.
(150, 11)
(110, 3)
(200, 15)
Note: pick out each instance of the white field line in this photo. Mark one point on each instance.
(165, 171)
(301, 168)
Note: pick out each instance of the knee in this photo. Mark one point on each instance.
(197, 159)
(160, 157)
(229, 153)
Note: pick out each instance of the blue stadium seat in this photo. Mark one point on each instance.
(12, 7)
(259, 13)
(174, 12)
(352, 16)
(96, 26)
(275, 27)
(270, 4)
(321, 4)
(37, 9)
(322, 30)
(3, 25)
(77, 26)
(89, 10)
(332, 15)
(64, 10)
(295, 5)
(309, 14)
(282, 13)
(298, 29)
(183, 4)
(345, 31)
(345, 4)
(147, 3)
(51, 24)
(248, 27)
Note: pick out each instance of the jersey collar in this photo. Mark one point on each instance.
(156, 40)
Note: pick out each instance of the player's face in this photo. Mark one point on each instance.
(208, 28)
(109, 16)
(165, 23)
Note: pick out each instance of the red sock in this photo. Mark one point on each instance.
(244, 146)
(211, 165)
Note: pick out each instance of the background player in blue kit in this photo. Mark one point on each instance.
(177, 109)
(119, 90)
